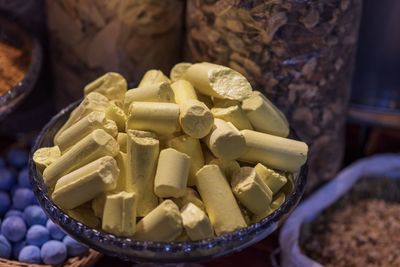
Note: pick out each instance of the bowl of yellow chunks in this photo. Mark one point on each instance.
(182, 168)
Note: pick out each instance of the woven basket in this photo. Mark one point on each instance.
(87, 260)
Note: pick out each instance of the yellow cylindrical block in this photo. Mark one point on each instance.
(164, 223)
(225, 141)
(142, 153)
(84, 184)
(159, 92)
(178, 71)
(264, 116)
(228, 167)
(195, 118)
(172, 174)
(183, 91)
(191, 147)
(218, 81)
(116, 114)
(45, 156)
(122, 162)
(80, 129)
(112, 85)
(160, 118)
(274, 180)
(221, 205)
(153, 77)
(95, 145)
(274, 151)
(233, 114)
(92, 102)
(119, 216)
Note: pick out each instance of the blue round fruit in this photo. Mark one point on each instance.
(55, 231)
(7, 179)
(74, 248)
(4, 202)
(53, 252)
(13, 228)
(37, 235)
(5, 248)
(30, 254)
(17, 213)
(17, 157)
(23, 178)
(34, 214)
(22, 198)
(17, 247)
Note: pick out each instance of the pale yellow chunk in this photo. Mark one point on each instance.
(119, 216)
(218, 81)
(95, 145)
(142, 152)
(160, 118)
(228, 167)
(160, 92)
(153, 77)
(122, 162)
(264, 116)
(98, 205)
(112, 85)
(233, 114)
(191, 147)
(196, 223)
(45, 156)
(274, 151)
(84, 184)
(80, 129)
(195, 118)
(84, 215)
(191, 196)
(271, 178)
(92, 102)
(164, 223)
(183, 91)
(121, 138)
(116, 114)
(225, 141)
(251, 191)
(179, 70)
(172, 174)
(221, 205)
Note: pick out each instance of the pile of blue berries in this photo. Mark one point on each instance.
(26, 234)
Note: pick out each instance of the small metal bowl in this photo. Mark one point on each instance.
(149, 251)
(11, 31)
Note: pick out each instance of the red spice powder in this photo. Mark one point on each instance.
(14, 62)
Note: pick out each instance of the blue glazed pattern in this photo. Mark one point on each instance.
(149, 251)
